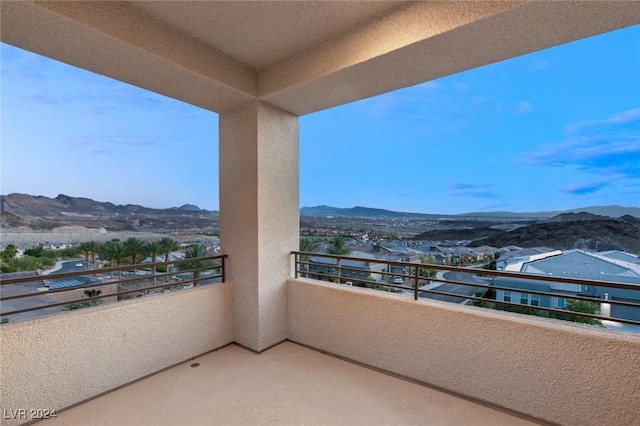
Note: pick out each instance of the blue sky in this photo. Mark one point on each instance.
(557, 129)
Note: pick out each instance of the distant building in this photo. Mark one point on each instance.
(58, 246)
(512, 259)
(365, 269)
(613, 266)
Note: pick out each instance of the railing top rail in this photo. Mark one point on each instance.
(477, 271)
(84, 272)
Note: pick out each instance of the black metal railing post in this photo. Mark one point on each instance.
(416, 279)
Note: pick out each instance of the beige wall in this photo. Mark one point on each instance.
(564, 373)
(54, 362)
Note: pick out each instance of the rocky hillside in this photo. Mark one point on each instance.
(576, 217)
(25, 213)
(458, 234)
(600, 235)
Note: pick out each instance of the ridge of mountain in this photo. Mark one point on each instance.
(612, 211)
(38, 205)
(188, 207)
(40, 213)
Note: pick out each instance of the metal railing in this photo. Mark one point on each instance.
(55, 292)
(482, 285)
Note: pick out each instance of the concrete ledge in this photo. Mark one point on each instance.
(558, 372)
(57, 361)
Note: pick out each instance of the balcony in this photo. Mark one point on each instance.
(411, 360)
(261, 66)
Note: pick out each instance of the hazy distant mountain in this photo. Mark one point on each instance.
(357, 211)
(27, 212)
(610, 211)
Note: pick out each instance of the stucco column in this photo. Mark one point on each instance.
(259, 217)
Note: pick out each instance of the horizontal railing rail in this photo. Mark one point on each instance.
(416, 277)
(145, 279)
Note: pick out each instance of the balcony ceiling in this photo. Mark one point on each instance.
(261, 33)
(302, 56)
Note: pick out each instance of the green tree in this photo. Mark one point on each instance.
(153, 250)
(585, 307)
(115, 251)
(167, 245)
(309, 245)
(9, 252)
(337, 247)
(69, 252)
(35, 251)
(197, 265)
(86, 250)
(133, 247)
(95, 249)
(429, 259)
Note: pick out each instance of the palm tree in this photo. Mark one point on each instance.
(337, 247)
(115, 251)
(195, 252)
(167, 245)
(152, 249)
(308, 245)
(86, 250)
(93, 248)
(134, 247)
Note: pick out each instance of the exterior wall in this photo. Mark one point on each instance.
(564, 373)
(57, 361)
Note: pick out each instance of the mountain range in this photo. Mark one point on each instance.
(564, 231)
(599, 227)
(367, 212)
(38, 213)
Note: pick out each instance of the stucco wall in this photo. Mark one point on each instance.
(559, 372)
(54, 362)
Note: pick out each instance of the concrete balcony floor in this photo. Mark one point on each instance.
(288, 384)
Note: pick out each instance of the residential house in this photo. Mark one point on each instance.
(575, 264)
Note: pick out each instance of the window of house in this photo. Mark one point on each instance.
(535, 300)
(560, 302)
(507, 296)
(524, 298)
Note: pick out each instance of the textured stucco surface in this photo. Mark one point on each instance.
(284, 385)
(563, 373)
(57, 361)
(259, 218)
